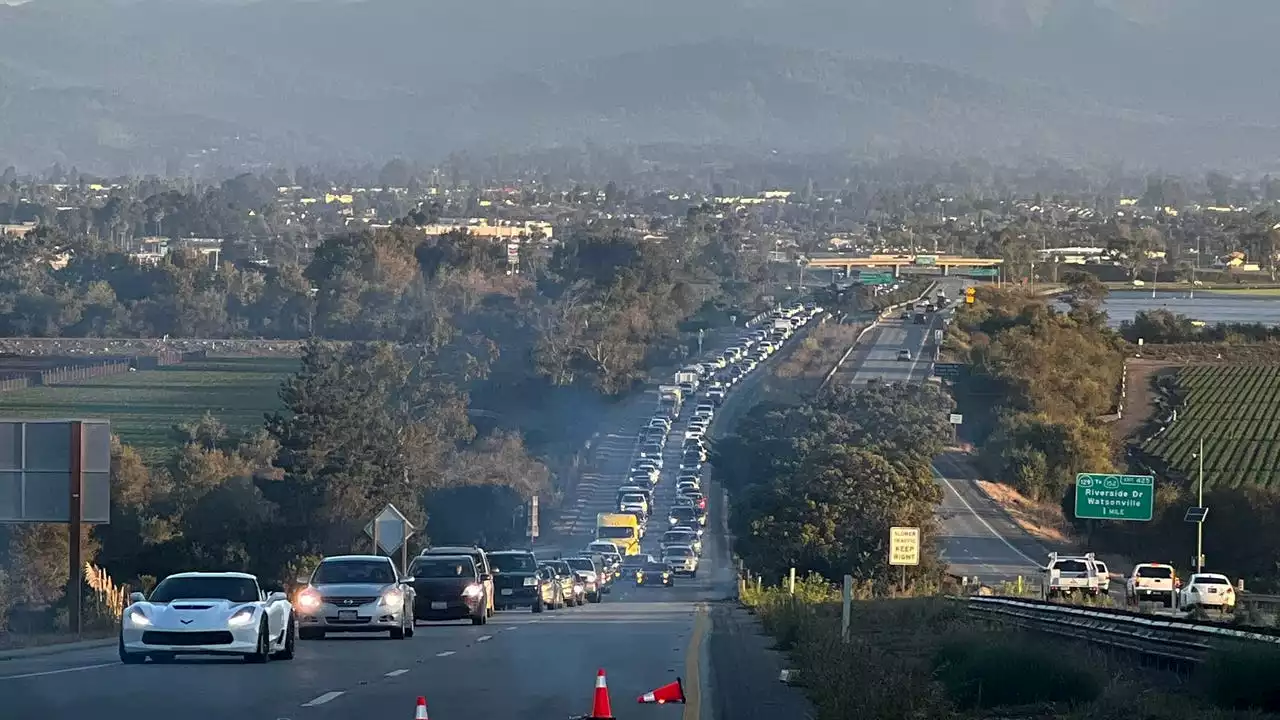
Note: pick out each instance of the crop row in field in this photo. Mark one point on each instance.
(144, 406)
(1235, 410)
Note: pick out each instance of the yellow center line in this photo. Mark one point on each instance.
(692, 663)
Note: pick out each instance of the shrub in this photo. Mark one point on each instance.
(1243, 678)
(981, 670)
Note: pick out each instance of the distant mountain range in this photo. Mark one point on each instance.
(135, 85)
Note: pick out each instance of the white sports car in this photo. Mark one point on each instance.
(208, 614)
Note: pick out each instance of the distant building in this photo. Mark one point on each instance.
(16, 230)
(503, 230)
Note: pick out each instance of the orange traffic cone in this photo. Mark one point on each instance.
(600, 708)
(421, 712)
(669, 693)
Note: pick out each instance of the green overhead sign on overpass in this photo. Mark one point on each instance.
(875, 278)
(982, 272)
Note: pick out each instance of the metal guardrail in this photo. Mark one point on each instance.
(1174, 642)
(874, 323)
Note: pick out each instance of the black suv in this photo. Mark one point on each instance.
(515, 579)
(482, 566)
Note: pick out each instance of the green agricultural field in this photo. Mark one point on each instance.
(1235, 409)
(144, 406)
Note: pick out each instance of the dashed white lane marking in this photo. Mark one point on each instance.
(484, 638)
(60, 671)
(323, 699)
(395, 673)
(513, 627)
(446, 653)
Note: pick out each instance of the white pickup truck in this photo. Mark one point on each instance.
(1067, 575)
(1152, 581)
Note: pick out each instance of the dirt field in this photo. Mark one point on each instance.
(1139, 395)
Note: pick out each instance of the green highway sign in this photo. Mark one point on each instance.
(875, 279)
(982, 272)
(926, 260)
(1101, 496)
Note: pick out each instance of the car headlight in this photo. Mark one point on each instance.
(138, 619)
(531, 582)
(309, 600)
(672, 520)
(473, 591)
(392, 596)
(666, 576)
(241, 618)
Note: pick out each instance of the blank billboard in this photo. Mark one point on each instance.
(35, 471)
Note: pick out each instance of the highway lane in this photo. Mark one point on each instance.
(978, 538)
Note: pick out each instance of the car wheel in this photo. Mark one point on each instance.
(290, 642)
(536, 607)
(478, 619)
(412, 628)
(693, 574)
(397, 633)
(129, 658)
(263, 653)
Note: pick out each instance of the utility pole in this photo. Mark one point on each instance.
(1200, 503)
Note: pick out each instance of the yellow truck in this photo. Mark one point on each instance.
(622, 529)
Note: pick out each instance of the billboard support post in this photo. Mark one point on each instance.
(75, 576)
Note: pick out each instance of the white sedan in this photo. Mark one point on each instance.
(1208, 590)
(208, 614)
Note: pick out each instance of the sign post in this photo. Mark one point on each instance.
(390, 530)
(58, 471)
(1105, 496)
(904, 549)
(533, 518)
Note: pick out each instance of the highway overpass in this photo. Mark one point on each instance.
(944, 263)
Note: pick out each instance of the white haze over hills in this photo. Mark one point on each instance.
(117, 85)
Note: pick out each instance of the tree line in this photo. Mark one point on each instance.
(817, 486)
(1035, 382)
(454, 377)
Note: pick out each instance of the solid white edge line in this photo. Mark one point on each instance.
(484, 638)
(395, 673)
(981, 519)
(332, 695)
(446, 653)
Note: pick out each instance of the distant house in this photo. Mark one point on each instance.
(16, 230)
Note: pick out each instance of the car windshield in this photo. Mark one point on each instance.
(606, 548)
(1210, 580)
(583, 564)
(375, 572)
(633, 498)
(232, 589)
(559, 566)
(682, 513)
(1155, 572)
(614, 531)
(512, 563)
(442, 567)
(677, 537)
(679, 552)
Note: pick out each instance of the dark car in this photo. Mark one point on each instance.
(482, 565)
(590, 574)
(564, 581)
(515, 580)
(655, 573)
(448, 587)
(684, 514)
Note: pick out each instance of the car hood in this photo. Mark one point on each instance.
(194, 614)
(339, 590)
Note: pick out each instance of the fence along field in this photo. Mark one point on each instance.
(1236, 410)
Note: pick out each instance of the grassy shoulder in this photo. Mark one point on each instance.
(925, 657)
(805, 364)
